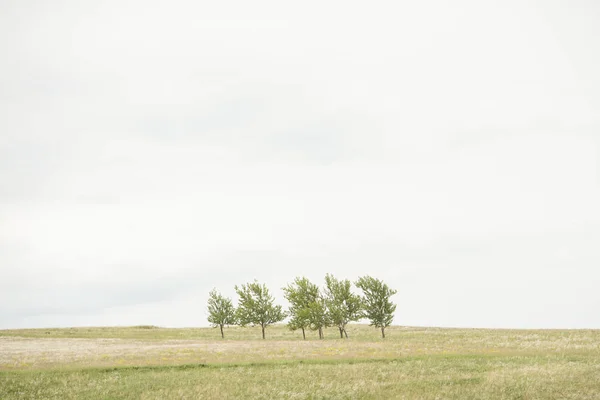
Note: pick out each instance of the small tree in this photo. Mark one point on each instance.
(376, 302)
(317, 315)
(220, 310)
(300, 294)
(343, 305)
(256, 306)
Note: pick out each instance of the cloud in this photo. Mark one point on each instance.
(149, 153)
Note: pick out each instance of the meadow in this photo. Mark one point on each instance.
(147, 362)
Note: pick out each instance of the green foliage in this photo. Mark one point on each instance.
(301, 294)
(256, 306)
(317, 315)
(220, 311)
(343, 306)
(376, 302)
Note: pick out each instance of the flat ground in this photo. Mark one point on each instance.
(411, 363)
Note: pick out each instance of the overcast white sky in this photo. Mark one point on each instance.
(150, 151)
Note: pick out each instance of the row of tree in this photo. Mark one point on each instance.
(310, 306)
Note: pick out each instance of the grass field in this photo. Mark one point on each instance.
(411, 363)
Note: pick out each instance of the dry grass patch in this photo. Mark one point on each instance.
(412, 363)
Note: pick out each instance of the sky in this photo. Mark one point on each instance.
(151, 151)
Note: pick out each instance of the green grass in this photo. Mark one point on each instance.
(411, 363)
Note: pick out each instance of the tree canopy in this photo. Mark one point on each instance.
(310, 306)
(343, 305)
(220, 311)
(377, 306)
(300, 294)
(256, 306)
(318, 315)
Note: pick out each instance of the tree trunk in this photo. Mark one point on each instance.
(222, 335)
(263, 331)
(345, 333)
(341, 333)
(383, 332)
(303, 334)
(320, 333)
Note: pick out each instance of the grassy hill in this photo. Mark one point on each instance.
(147, 362)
